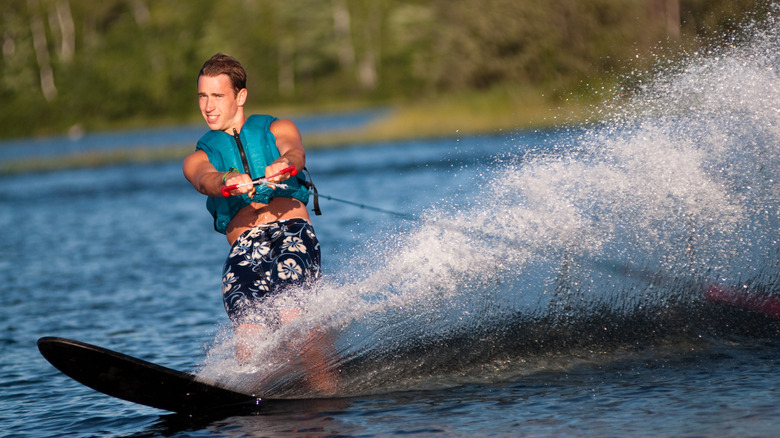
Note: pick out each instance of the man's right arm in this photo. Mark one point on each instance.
(207, 180)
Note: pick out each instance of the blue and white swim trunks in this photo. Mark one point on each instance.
(265, 260)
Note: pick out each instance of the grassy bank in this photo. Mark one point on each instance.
(499, 110)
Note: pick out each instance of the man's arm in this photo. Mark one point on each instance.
(205, 178)
(288, 141)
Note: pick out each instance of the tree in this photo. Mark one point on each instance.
(67, 62)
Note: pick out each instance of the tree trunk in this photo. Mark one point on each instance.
(41, 47)
(666, 13)
(342, 30)
(367, 69)
(67, 30)
(286, 50)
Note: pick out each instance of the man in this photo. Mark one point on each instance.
(273, 244)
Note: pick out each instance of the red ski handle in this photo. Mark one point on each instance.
(226, 190)
(291, 170)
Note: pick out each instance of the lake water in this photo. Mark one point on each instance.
(552, 283)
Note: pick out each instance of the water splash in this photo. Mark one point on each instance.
(607, 246)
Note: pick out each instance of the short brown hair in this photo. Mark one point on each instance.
(225, 64)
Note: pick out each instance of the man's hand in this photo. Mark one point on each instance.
(277, 166)
(238, 179)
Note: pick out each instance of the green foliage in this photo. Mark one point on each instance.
(94, 64)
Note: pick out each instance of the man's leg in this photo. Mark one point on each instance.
(246, 338)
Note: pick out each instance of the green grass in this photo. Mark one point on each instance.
(464, 114)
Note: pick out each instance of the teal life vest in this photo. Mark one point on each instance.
(259, 146)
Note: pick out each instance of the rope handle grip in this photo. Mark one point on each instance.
(291, 170)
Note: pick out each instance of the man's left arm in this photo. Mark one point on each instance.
(288, 141)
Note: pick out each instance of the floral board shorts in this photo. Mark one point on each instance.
(265, 260)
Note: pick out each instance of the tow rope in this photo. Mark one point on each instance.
(316, 195)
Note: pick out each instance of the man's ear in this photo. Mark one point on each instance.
(241, 97)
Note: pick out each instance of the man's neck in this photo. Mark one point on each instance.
(237, 125)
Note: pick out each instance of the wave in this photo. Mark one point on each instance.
(612, 244)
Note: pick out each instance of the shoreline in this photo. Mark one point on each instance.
(488, 114)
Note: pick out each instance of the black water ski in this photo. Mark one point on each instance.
(138, 381)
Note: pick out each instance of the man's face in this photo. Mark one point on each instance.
(219, 104)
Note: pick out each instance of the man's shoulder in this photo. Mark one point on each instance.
(260, 121)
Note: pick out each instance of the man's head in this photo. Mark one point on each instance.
(222, 93)
(222, 64)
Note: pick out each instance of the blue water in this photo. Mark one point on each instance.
(79, 142)
(552, 286)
